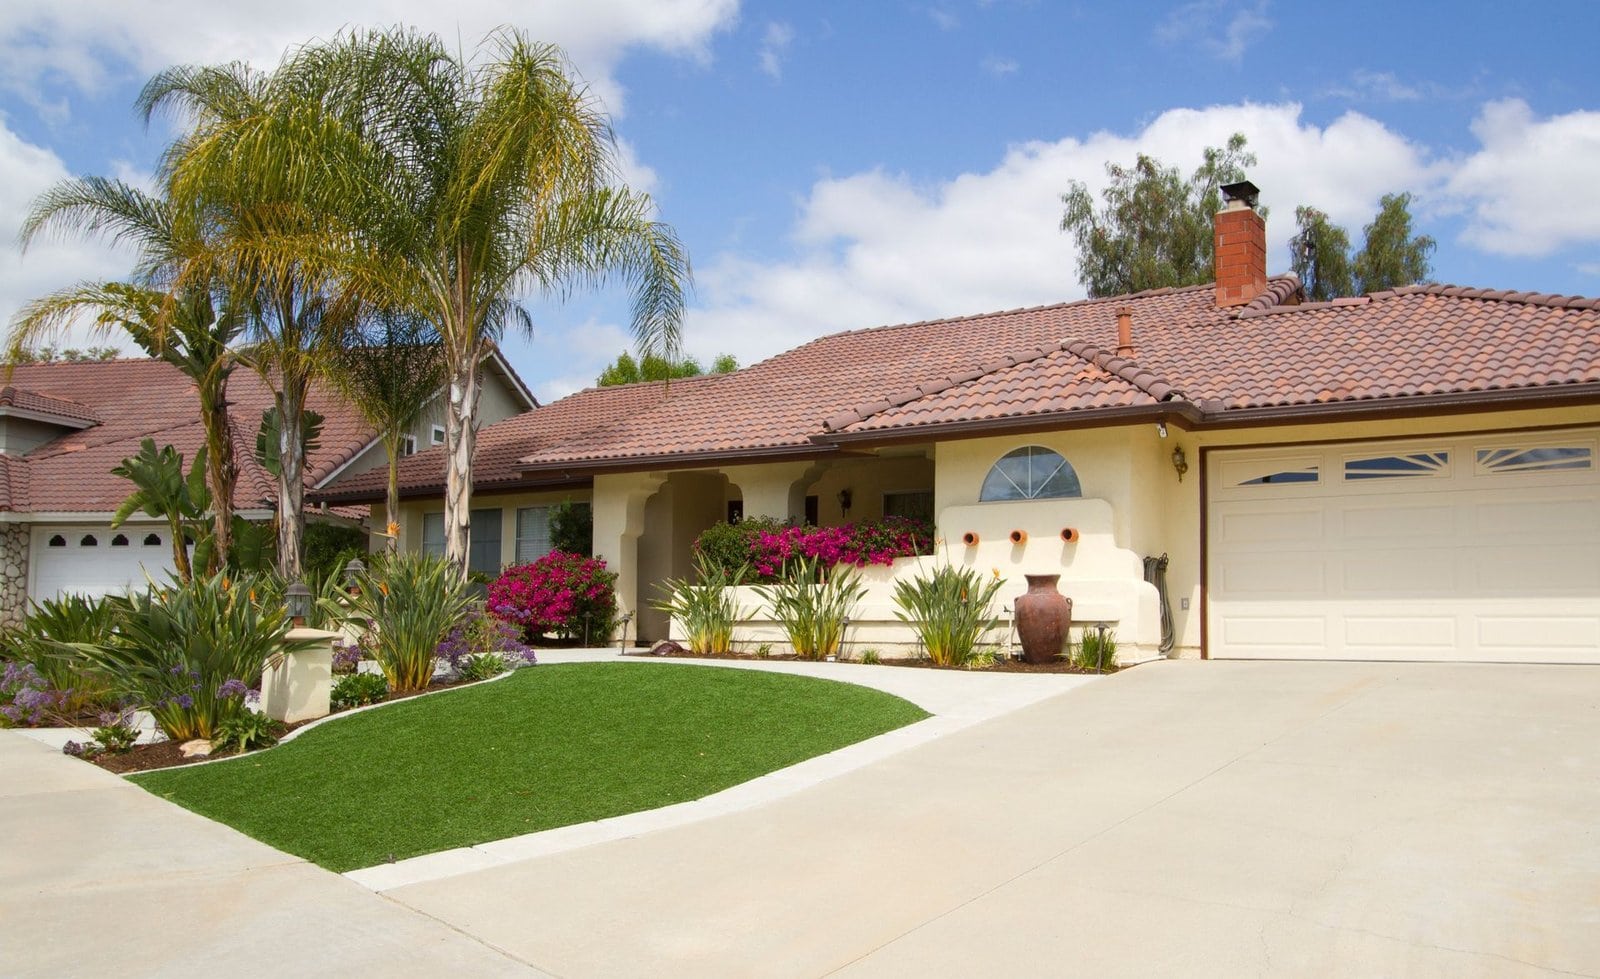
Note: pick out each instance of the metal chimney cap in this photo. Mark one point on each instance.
(1244, 191)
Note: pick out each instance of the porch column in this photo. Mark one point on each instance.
(773, 490)
(618, 508)
(13, 573)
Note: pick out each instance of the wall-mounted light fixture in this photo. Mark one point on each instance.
(844, 499)
(1180, 464)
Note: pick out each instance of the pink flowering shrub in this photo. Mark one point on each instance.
(561, 594)
(770, 546)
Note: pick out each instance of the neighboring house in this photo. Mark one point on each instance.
(1406, 475)
(65, 426)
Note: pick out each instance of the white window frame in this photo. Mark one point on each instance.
(408, 445)
(532, 545)
(436, 435)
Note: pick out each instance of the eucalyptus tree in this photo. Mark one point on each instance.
(453, 188)
(265, 243)
(391, 371)
(172, 309)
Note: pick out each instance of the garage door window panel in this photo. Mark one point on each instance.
(1398, 466)
(1524, 460)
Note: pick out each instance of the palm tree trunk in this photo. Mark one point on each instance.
(460, 437)
(391, 497)
(291, 402)
(222, 472)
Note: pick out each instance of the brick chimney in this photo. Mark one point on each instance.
(1240, 236)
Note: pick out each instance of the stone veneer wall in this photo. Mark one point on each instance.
(13, 573)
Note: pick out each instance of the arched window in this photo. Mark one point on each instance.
(58, 541)
(152, 540)
(121, 540)
(88, 541)
(1030, 473)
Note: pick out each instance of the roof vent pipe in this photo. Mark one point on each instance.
(1125, 333)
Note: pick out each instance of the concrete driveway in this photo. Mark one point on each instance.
(1183, 818)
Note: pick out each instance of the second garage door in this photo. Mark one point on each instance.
(1453, 548)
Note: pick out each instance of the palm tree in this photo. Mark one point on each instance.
(298, 319)
(177, 323)
(450, 189)
(391, 373)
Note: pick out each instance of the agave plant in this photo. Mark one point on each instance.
(949, 609)
(409, 602)
(813, 604)
(708, 610)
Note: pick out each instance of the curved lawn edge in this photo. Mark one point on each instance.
(551, 746)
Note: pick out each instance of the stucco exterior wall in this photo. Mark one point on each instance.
(497, 403)
(22, 435)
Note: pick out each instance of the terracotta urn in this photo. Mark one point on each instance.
(1044, 616)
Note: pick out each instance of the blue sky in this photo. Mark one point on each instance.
(837, 165)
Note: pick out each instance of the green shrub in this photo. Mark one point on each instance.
(358, 690)
(870, 657)
(409, 602)
(572, 528)
(329, 547)
(188, 653)
(559, 594)
(729, 545)
(949, 609)
(814, 615)
(708, 610)
(1093, 653)
(481, 666)
(244, 731)
(45, 639)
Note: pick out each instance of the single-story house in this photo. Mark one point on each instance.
(1409, 474)
(65, 425)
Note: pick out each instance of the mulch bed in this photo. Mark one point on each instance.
(674, 651)
(169, 754)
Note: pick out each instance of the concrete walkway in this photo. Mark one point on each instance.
(100, 878)
(1183, 818)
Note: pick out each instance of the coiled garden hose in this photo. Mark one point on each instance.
(1155, 572)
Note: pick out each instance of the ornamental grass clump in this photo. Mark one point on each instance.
(45, 641)
(813, 604)
(709, 610)
(560, 595)
(949, 609)
(191, 652)
(408, 602)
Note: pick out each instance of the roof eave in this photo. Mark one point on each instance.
(1181, 413)
(1453, 403)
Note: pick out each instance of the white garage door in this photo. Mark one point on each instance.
(96, 560)
(1450, 548)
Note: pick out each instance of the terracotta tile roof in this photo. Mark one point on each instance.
(1396, 349)
(501, 446)
(12, 396)
(134, 399)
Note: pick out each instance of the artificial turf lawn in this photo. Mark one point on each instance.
(547, 747)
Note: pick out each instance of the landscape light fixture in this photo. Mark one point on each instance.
(622, 636)
(297, 599)
(353, 570)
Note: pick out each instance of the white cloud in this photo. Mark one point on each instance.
(1195, 23)
(774, 45)
(569, 357)
(82, 42)
(999, 67)
(1530, 187)
(52, 262)
(876, 247)
(944, 18)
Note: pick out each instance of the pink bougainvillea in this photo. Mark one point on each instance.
(860, 544)
(560, 594)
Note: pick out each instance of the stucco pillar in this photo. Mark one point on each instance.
(774, 490)
(13, 573)
(618, 508)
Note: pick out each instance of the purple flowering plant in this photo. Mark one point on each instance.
(26, 697)
(482, 633)
(560, 594)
